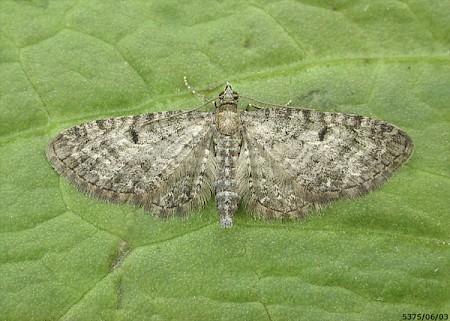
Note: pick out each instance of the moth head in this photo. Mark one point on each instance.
(228, 95)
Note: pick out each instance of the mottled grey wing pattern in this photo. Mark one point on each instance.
(149, 160)
(296, 159)
(279, 162)
(266, 189)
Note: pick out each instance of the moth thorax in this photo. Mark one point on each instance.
(227, 121)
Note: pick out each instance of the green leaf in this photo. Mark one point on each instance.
(65, 256)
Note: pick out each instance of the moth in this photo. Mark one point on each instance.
(279, 162)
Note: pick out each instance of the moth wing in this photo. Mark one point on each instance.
(266, 190)
(325, 156)
(161, 161)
